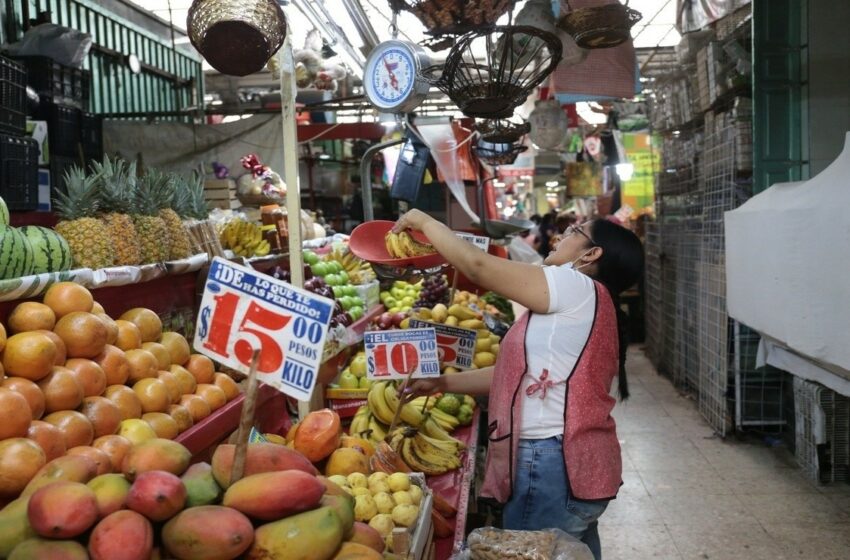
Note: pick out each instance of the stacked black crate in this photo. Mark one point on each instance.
(18, 154)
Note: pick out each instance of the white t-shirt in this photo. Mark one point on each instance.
(553, 343)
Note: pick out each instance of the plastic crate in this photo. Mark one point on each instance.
(57, 83)
(13, 97)
(64, 128)
(91, 136)
(19, 172)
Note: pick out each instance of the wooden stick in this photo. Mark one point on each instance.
(454, 287)
(246, 421)
(402, 402)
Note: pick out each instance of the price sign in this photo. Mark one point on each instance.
(243, 309)
(456, 345)
(401, 353)
(479, 241)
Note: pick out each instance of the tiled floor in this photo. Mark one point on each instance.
(689, 495)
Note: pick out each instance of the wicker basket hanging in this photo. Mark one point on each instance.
(600, 27)
(236, 37)
(498, 154)
(500, 131)
(454, 17)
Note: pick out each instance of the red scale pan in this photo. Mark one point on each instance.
(367, 242)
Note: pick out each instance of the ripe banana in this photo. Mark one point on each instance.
(435, 455)
(378, 432)
(378, 403)
(433, 430)
(360, 422)
(403, 245)
(444, 420)
(410, 415)
(416, 463)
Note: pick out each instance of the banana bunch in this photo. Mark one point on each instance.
(384, 401)
(245, 239)
(365, 425)
(444, 420)
(423, 453)
(358, 270)
(402, 245)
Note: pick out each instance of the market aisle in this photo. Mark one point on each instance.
(688, 495)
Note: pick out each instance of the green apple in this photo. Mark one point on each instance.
(348, 380)
(344, 276)
(404, 309)
(350, 290)
(365, 383)
(390, 302)
(310, 257)
(358, 366)
(398, 293)
(356, 312)
(338, 292)
(394, 309)
(347, 302)
(320, 269)
(332, 280)
(408, 301)
(400, 284)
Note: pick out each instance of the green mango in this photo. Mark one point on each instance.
(312, 535)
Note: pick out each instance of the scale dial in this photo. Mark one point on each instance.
(391, 76)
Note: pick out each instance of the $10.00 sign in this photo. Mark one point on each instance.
(242, 310)
(401, 353)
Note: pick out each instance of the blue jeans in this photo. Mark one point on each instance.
(542, 497)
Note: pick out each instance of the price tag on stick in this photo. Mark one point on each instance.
(243, 310)
(456, 345)
(401, 354)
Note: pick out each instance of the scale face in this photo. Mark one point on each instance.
(391, 77)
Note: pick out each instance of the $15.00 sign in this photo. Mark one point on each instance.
(243, 309)
(401, 353)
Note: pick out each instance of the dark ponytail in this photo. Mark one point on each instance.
(618, 269)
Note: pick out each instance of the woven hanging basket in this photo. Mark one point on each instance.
(454, 17)
(497, 154)
(600, 27)
(500, 131)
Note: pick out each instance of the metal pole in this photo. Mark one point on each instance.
(366, 176)
(290, 162)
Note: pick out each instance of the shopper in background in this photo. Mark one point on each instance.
(546, 230)
(553, 456)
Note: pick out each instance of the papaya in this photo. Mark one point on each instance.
(110, 491)
(124, 535)
(368, 536)
(156, 455)
(201, 487)
(62, 510)
(274, 495)
(49, 549)
(261, 457)
(318, 434)
(344, 508)
(70, 468)
(347, 460)
(15, 526)
(312, 535)
(208, 533)
(356, 551)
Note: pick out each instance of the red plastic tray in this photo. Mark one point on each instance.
(367, 242)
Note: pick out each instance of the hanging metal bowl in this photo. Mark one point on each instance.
(600, 27)
(501, 131)
(236, 37)
(497, 153)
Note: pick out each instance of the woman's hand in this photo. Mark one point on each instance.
(413, 219)
(424, 387)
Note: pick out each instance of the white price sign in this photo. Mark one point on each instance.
(456, 345)
(398, 354)
(243, 309)
(479, 241)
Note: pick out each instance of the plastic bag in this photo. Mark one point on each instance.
(66, 46)
(521, 251)
(489, 543)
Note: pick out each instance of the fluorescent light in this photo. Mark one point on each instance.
(551, 183)
(625, 171)
(324, 156)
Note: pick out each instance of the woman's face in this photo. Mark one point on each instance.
(574, 243)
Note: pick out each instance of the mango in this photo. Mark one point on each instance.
(274, 495)
(208, 533)
(14, 525)
(46, 549)
(123, 535)
(331, 487)
(347, 460)
(462, 312)
(110, 491)
(451, 321)
(158, 495)
(484, 359)
(368, 536)
(201, 487)
(473, 324)
(62, 510)
(356, 551)
(156, 455)
(261, 457)
(312, 535)
(344, 508)
(71, 468)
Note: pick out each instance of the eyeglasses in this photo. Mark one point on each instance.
(574, 229)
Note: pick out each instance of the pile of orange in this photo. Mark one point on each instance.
(75, 381)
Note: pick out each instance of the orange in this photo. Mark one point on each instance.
(89, 374)
(30, 355)
(31, 316)
(182, 416)
(111, 327)
(163, 357)
(20, 459)
(61, 390)
(97, 308)
(177, 346)
(30, 391)
(76, 428)
(225, 383)
(143, 364)
(185, 379)
(67, 297)
(201, 367)
(116, 447)
(148, 322)
(104, 415)
(172, 384)
(197, 407)
(214, 396)
(129, 335)
(126, 399)
(101, 459)
(114, 365)
(153, 394)
(61, 351)
(48, 437)
(15, 414)
(84, 334)
(164, 425)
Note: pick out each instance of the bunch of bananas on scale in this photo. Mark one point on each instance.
(402, 245)
(426, 454)
(358, 270)
(245, 239)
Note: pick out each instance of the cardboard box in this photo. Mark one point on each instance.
(44, 202)
(37, 130)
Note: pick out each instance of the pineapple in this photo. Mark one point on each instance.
(173, 193)
(195, 205)
(87, 236)
(115, 189)
(154, 237)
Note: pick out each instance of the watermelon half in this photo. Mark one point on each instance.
(4, 213)
(50, 250)
(16, 253)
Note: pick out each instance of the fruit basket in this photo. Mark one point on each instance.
(600, 27)
(367, 242)
(453, 17)
(501, 131)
